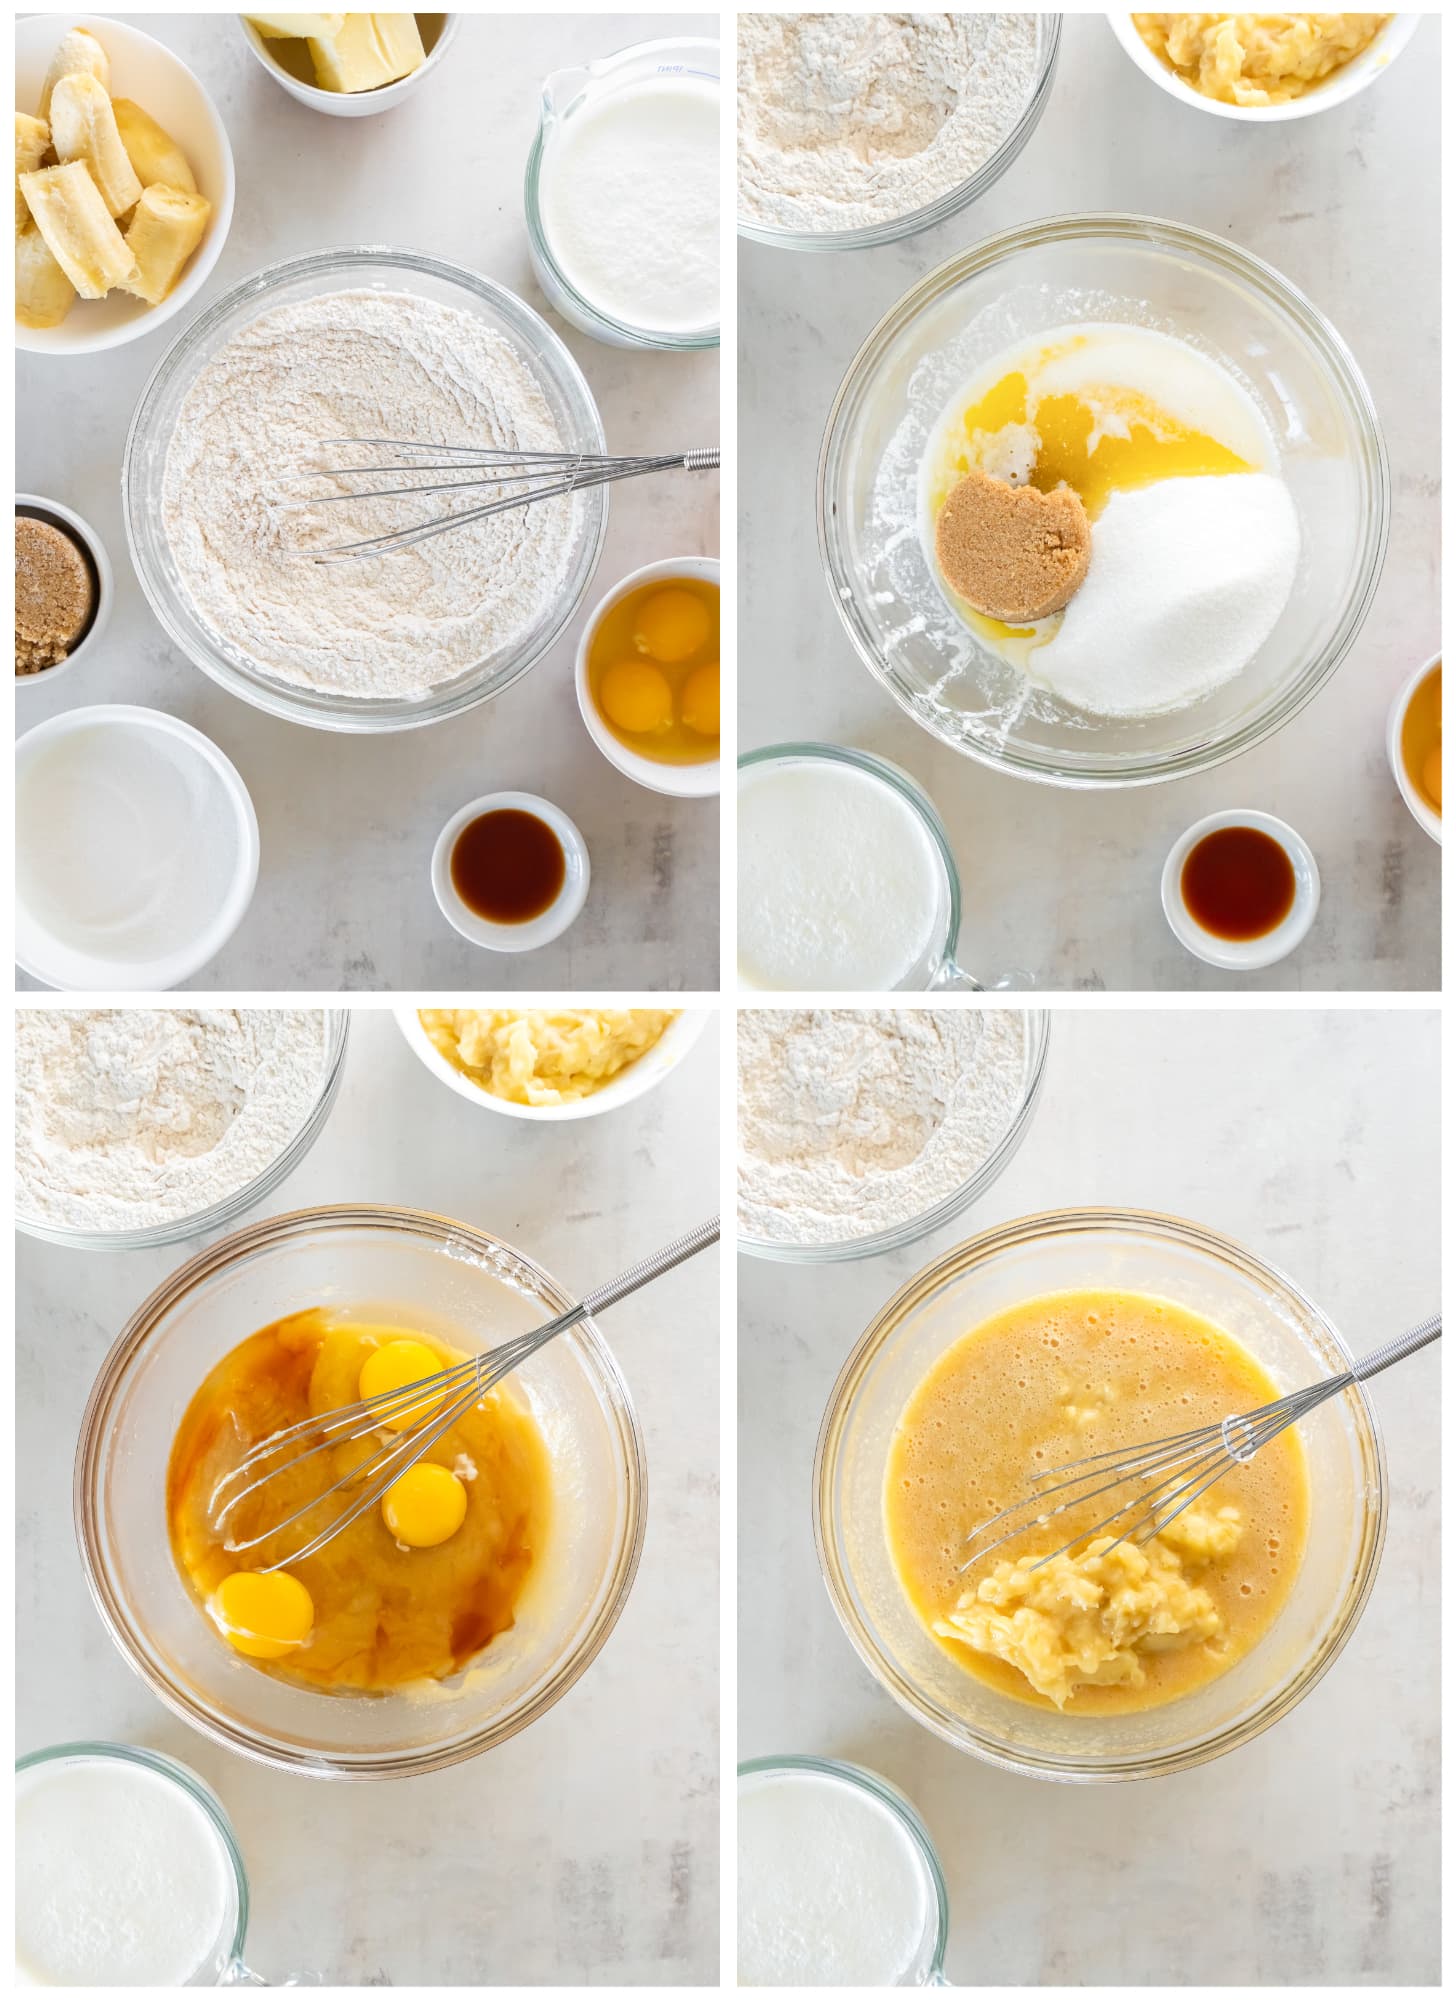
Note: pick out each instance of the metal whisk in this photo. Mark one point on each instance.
(511, 479)
(1172, 1472)
(460, 1387)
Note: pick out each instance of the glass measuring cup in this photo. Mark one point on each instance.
(563, 95)
(935, 969)
(923, 1964)
(222, 1964)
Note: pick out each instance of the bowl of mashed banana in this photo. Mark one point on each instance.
(1264, 68)
(550, 1063)
(1081, 1650)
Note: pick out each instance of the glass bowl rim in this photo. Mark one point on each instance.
(646, 339)
(960, 197)
(1337, 363)
(188, 1781)
(1372, 1510)
(870, 764)
(1039, 1029)
(113, 1373)
(338, 714)
(887, 1794)
(337, 1022)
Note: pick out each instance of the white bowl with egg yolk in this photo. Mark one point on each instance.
(151, 76)
(678, 781)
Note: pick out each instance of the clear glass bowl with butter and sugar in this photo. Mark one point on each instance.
(555, 374)
(1005, 292)
(1125, 1250)
(459, 1285)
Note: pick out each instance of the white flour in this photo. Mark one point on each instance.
(358, 364)
(854, 1123)
(845, 120)
(130, 1117)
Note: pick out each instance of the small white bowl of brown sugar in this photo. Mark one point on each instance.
(63, 589)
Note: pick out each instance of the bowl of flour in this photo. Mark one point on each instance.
(224, 500)
(860, 1130)
(139, 1126)
(857, 129)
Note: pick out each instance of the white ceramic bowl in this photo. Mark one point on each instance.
(679, 781)
(44, 956)
(65, 517)
(634, 1081)
(163, 86)
(360, 104)
(562, 914)
(1428, 821)
(1346, 83)
(1243, 954)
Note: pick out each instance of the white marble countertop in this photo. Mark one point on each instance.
(1309, 1857)
(1065, 884)
(348, 822)
(586, 1848)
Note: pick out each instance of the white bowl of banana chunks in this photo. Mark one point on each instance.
(126, 184)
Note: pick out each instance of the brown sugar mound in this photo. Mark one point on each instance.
(1012, 552)
(54, 595)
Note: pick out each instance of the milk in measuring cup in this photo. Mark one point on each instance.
(121, 1878)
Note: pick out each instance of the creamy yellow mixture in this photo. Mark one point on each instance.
(541, 1056)
(1101, 1629)
(1257, 59)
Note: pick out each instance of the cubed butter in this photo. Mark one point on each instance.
(154, 154)
(367, 52)
(78, 53)
(43, 292)
(32, 142)
(165, 230)
(83, 127)
(294, 27)
(75, 222)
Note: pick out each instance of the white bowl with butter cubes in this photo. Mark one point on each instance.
(550, 1064)
(124, 184)
(350, 65)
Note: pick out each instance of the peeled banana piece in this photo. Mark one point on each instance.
(154, 154)
(75, 222)
(295, 27)
(367, 52)
(77, 54)
(32, 143)
(165, 230)
(43, 292)
(83, 127)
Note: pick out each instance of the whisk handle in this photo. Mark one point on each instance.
(652, 1267)
(702, 461)
(1396, 1350)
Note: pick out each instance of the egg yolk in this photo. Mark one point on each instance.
(637, 697)
(424, 1506)
(263, 1614)
(395, 1366)
(1431, 775)
(672, 625)
(700, 700)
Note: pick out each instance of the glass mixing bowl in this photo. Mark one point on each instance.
(1008, 290)
(223, 1213)
(1061, 1251)
(1038, 1032)
(460, 1284)
(562, 385)
(1049, 37)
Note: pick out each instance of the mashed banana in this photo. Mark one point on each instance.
(539, 1056)
(1087, 1620)
(1257, 59)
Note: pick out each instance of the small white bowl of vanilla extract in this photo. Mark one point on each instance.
(510, 871)
(1241, 890)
